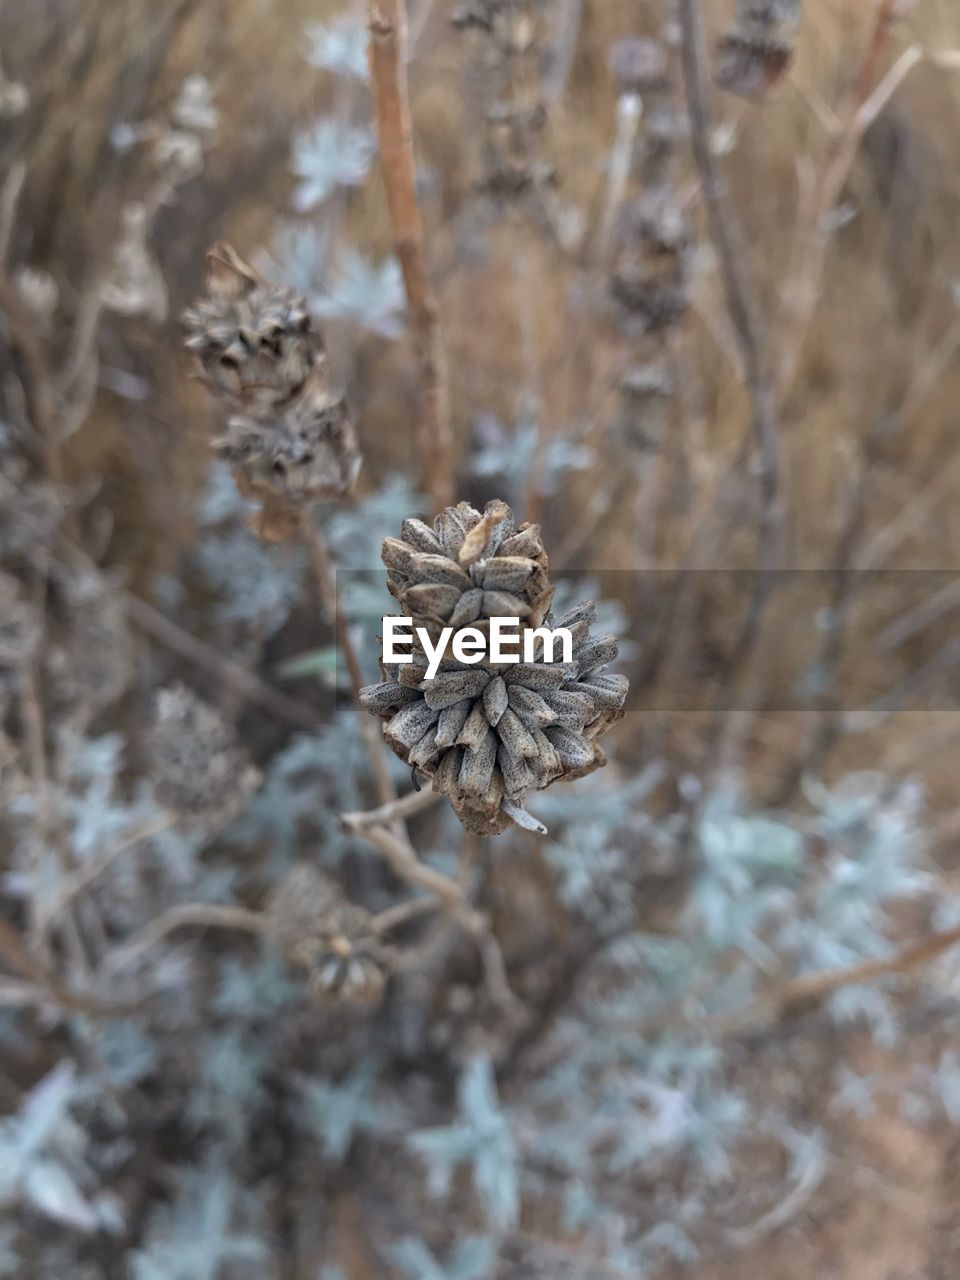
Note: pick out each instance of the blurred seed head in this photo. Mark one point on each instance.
(92, 660)
(294, 456)
(333, 942)
(198, 768)
(757, 52)
(639, 66)
(134, 284)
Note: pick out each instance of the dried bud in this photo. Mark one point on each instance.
(469, 567)
(489, 735)
(639, 66)
(253, 340)
(658, 221)
(293, 456)
(756, 53)
(647, 391)
(134, 284)
(333, 941)
(94, 662)
(198, 768)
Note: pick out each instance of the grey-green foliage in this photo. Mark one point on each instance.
(201, 1232)
(256, 586)
(328, 155)
(482, 1139)
(471, 1259)
(337, 1112)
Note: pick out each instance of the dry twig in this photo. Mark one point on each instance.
(387, 21)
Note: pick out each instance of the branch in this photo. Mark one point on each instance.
(238, 679)
(189, 915)
(387, 22)
(728, 242)
(399, 854)
(404, 807)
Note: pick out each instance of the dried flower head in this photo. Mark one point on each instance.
(195, 108)
(515, 26)
(756, 53)
(488, 735)
(647, 392)
(293, 456)
(93, 659)
(253, 340)
(650, 277)
(469, 567)
(639, 66)
(134, 284)
(330, 939)
(198, 768)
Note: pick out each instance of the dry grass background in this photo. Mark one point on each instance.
(887, 314)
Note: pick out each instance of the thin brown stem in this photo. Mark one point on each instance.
(190, 915)
(400, 856)
(324, 579)
(387, 21)
(235, 677)
(404, 807)
(805, 270)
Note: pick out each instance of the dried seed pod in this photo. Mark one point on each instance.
(639, 66)
(330, 939)
(647, 392)
(488, 736)
(93, 664)
(468, 568)
(253, 340)
(650, 276)
(756, 53)
(293, 456)
(198, 768)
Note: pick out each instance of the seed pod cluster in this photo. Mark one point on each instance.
(93, 658)
(289, 440)
(653, 252)
(198, 768)
(756, 53)
(469, 567)
(505, 41)
(333, 942)
(490, 734)
(651, 274)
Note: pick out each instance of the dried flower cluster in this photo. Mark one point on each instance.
(199, 769)
(289, 440)
(489, 734)
(755, 54)
(469, 568)
(651, 270)
(330, 939)
(506, 39)
(92, 654)
(133, 283)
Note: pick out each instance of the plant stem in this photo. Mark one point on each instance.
(387, 22)
(325, 581)
(199, 915)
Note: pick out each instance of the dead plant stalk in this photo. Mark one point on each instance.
(387, 22)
